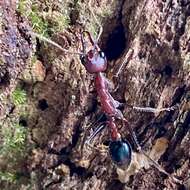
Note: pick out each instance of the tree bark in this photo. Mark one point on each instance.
(147, 44)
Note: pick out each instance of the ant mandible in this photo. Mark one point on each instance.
(95, 63)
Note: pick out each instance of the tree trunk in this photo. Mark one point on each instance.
(147, 44)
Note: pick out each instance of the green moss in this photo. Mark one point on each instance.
(19, 96)
(32, 12)
(22, 7)
(60, 22)
(14, 138)
(13, 150)
(44, 21)
(33, 59)
(8, 177)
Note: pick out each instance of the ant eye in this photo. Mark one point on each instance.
(120, 152)
(101, 53)
(82, 59)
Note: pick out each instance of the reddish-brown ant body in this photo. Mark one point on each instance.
(95, 63)
(120, 150)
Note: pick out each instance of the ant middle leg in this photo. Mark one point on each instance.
(150, 109)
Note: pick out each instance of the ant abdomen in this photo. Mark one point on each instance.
(120, 152)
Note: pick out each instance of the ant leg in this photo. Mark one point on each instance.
(90, 38)
(152, 110)
(92, 41)
(154, 163)
(95, 123)
(127, 58)
(98, 23)
(98, 129)
(108, 83)
(40, 37)
(91, 137)
(83, 43)
(95, 132)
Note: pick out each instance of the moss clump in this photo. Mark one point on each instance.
(19, 96)
(8, 177)
(31, 11)
(44, 19)
(14, 138)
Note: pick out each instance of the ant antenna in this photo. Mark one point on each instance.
(40, 37)
(92, 41)
(98, 23)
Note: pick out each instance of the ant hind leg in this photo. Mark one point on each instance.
(140, 150)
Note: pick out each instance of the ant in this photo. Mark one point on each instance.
(95, 62)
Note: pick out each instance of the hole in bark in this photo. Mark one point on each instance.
(115, 44)
(5, 79)
(106, 143)
(115, 184)
(147, 76)
(93, 107)
(80, 171)
(175, 44)
(181, 30)
(161, 131)
(152, 104)
(23, 122)
(74, 15)
(42, 104)
(141, 54)
(169, 35)
(168, 70)
(182, 187)
(76, 136)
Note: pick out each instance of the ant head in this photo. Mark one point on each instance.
(94, 61)
(120, 152)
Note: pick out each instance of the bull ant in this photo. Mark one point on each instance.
(95, 63)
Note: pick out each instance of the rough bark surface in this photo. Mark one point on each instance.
(65, 104)
(15, 51)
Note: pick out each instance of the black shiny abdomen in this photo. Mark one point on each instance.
(120, 152)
